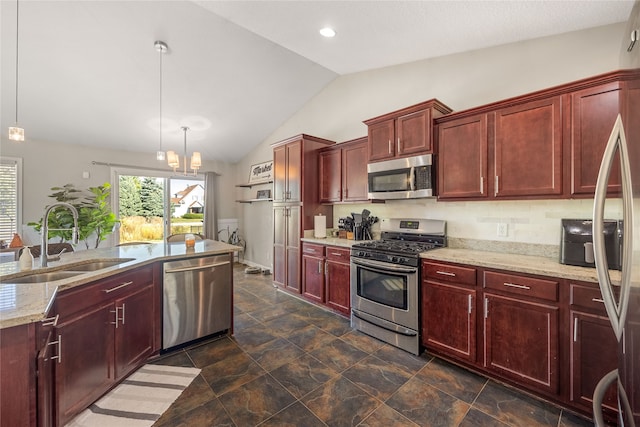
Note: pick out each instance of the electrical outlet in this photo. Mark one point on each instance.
(503, 229)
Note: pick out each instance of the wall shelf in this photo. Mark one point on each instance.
(249, 185)
(254, 200)
(253, 184)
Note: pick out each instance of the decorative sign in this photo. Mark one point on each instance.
(261, 172)
(263, 194)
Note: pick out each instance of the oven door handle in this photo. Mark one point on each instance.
(396, 329)
(384, 267)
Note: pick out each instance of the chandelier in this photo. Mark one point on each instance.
(174, 159)
(16, 133)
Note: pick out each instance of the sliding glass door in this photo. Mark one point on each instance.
(151, 206)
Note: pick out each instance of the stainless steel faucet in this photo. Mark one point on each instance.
(44, 248)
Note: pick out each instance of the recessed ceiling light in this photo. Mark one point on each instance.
(328, 32)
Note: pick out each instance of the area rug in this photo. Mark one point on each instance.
(139, 400)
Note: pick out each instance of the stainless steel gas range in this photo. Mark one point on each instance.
(385, 278)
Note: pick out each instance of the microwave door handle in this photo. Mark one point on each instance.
(412, 178)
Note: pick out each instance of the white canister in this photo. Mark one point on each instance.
(26, 259)
(320, 226)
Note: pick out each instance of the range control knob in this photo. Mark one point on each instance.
(394, 259)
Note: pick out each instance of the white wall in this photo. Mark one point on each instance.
(50, 164)
(461, 81)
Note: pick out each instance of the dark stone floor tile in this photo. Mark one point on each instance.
(340, 403)
(196, 394)
(255, 336)
(275, 353)
(362, 341)
(242, 321)
(515, 408)
(313, 315)
(293, 304)
(385, 416)
(213, 352)
(248, 305)
(567, 419)
(310, 338)
(475, 418)
(286, 325)
(338, 355)
(231, 373)
(426, 405)
(377, 377)
(295, 415)
(401, 358)
(452, 379)
(178, 358)
(337, 326)
(303, 375)
(256, 401)
(269, 312)
(210, 414)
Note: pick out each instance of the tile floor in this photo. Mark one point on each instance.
(290, 363)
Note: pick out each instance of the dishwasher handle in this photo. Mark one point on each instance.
(197, 267)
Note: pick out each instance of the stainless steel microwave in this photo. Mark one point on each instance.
(406, 178)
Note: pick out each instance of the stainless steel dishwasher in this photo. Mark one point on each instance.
(196, 299)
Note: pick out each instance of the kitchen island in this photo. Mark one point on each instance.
(64, 340)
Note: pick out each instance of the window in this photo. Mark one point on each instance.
(10, 197)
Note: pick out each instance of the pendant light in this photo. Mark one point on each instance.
(16, 133)
(174, 160)
(162, 48)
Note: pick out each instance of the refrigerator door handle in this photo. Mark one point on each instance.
(598, 396)
(617, 311)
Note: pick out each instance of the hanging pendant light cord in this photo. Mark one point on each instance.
(161, 53)
(17, 20)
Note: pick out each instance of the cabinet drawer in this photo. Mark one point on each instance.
(522, 285)
(588, 297)
(77, 299)
(338, 254)
(449, 273)
(312, 249)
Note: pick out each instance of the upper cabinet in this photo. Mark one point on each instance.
(547, 144)
(403, 133)
(343, 172)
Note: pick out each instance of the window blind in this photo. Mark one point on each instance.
(9, 184)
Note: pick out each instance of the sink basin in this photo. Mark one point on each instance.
(44, 277)
(97, 265)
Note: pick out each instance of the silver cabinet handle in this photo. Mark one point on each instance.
(597, 300)
(122, 309)
(446, 273)
(346, 192)
(398, 145)
(575, 329)
(486, 307)
(482, 185)
(319, 267)
(389, 146)
(197, 267)
(59, 344)
(495, 190)
(125, 284)
(336, 254)
(470, 304)
(50, 321)
(617, 311)
(515, 285)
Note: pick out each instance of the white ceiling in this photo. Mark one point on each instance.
(235, 70)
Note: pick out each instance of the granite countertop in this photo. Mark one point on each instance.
(331, 241)
(24, 303)
(517, 263)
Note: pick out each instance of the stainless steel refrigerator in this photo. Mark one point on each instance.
(621, 290)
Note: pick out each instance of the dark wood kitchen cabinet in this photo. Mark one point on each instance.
(343, 172)
(18, 376)
(521, 329)
(313, 272)
(403, 133)
(338, 284)
(106, 329)
(295, 202)
(449, 310)
(463, 158)
(590, 329)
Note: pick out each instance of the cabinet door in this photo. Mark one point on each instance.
(381, 140)
(528, 150)
(589, 332)
(293, 249)
(593, 113)
(354, 173)
(85, 368)
(134, 330)
(279, 243)
(294, 171)
(413, 134)
(330, 176)
(46, 361)
(462, 158)
(338, 284)
(279, 174)
(449, 319)
(521, 341)
(313, 278)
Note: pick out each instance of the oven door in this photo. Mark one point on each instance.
(386, 291)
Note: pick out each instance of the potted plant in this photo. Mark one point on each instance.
(95, 218)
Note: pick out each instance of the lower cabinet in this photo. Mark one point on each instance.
(326, 276)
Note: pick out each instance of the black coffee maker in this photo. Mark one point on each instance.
(576, 243)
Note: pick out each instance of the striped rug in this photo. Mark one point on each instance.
(139, 400)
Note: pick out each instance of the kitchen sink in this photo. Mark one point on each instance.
(51, 276)
(97, 265)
